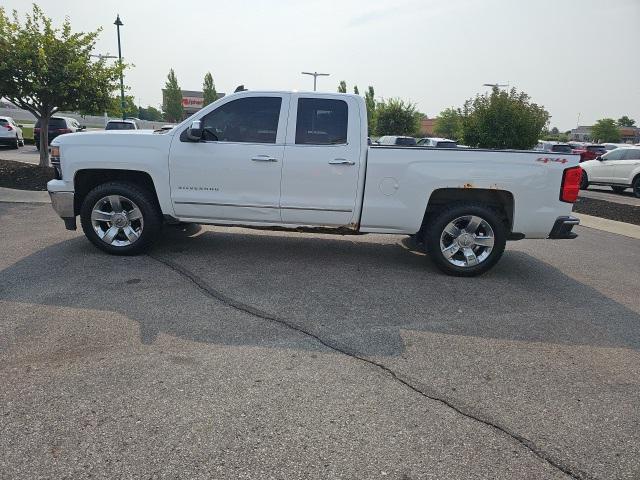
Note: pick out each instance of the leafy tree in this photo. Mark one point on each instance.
(449, 124)
(625, 121)
(342, 87)
(172, 105)
(355, 90)
(555, 131)
(605, 130)
(45, 69)
(397, 117)
(150, 113)
(209, 89)
(114, 109)
(370, 101)
(502, 119)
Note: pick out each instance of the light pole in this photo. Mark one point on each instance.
(495, 85)
(118, 23)
(315, 75)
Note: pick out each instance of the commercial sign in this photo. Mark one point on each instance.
(193, 102)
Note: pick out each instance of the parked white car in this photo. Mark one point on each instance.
(553, 147)
(436, 142)
(619, 169)
(10, 133)
(300, 161)
(127, 124)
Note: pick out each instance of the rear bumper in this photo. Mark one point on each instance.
(562, 228)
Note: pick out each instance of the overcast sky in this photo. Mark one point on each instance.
(572, 56)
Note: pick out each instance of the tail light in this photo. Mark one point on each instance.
(8, 127)
(570, 184)
(63, 130)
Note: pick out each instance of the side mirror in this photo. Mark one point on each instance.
(599, 158)
(194, 132)
(83, 128)
(20, 126)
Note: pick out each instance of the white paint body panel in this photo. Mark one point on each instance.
(385, 190)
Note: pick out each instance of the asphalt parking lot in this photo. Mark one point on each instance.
(232, 353)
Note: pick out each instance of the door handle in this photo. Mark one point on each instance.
(264, 158)
(341, 161)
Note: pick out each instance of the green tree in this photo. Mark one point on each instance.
(114, 109)
(370, 101)
(605, 130)
(397, 117)
(449, 124)
(172, 106)
(355, 90)
(44, 69)
(502, 119)
(150, 113)
(625, 121)
(209, 89)
(342, 87)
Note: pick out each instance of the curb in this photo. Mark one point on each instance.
(611, 226)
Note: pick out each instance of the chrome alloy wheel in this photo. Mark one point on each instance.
(467, 241)
(117, 220)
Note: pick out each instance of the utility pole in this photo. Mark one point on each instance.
(118, 23)
(315, 76)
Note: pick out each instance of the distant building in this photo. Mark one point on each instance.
(192, 101)
(427, 125)
(580, 134)
(583, 134)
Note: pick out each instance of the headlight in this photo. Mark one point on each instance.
(54, 158)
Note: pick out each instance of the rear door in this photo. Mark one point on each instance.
(234, 173)
(622, 168)
(321, 161)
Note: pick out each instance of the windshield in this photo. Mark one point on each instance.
(54, 123)
(120, 126)
(561, 149)
(597, 149)
(406, 141)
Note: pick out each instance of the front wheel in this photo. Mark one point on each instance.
(465, 240)
(120, 218)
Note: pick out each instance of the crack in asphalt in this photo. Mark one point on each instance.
(202, 285)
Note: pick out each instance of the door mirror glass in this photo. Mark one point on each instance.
(194, 132)
(599, 157)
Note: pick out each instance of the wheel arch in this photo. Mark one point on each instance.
(87, 179)
(500, 200)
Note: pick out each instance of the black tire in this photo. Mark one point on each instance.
(636, 186)
(435, 230)
(16, 145)
(618, 189)
(584, 181)
(137, 196)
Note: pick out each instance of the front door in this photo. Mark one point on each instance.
(603, 170)
(234, 173)
(622, 169)
(321, 161)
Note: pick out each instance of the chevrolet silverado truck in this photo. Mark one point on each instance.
(301, 161)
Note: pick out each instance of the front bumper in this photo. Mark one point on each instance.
(63, 204)
(562, 228)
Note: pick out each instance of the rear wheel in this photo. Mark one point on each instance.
(120, 218)
(16, 144)
(636, 186)
(584, 181)
(618, 189)
(465, 240)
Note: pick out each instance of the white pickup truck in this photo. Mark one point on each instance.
(301, 161)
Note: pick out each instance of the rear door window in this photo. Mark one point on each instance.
(406, 142)
(321, 122)
(561, 149)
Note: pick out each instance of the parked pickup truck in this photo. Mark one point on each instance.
(301, 161)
